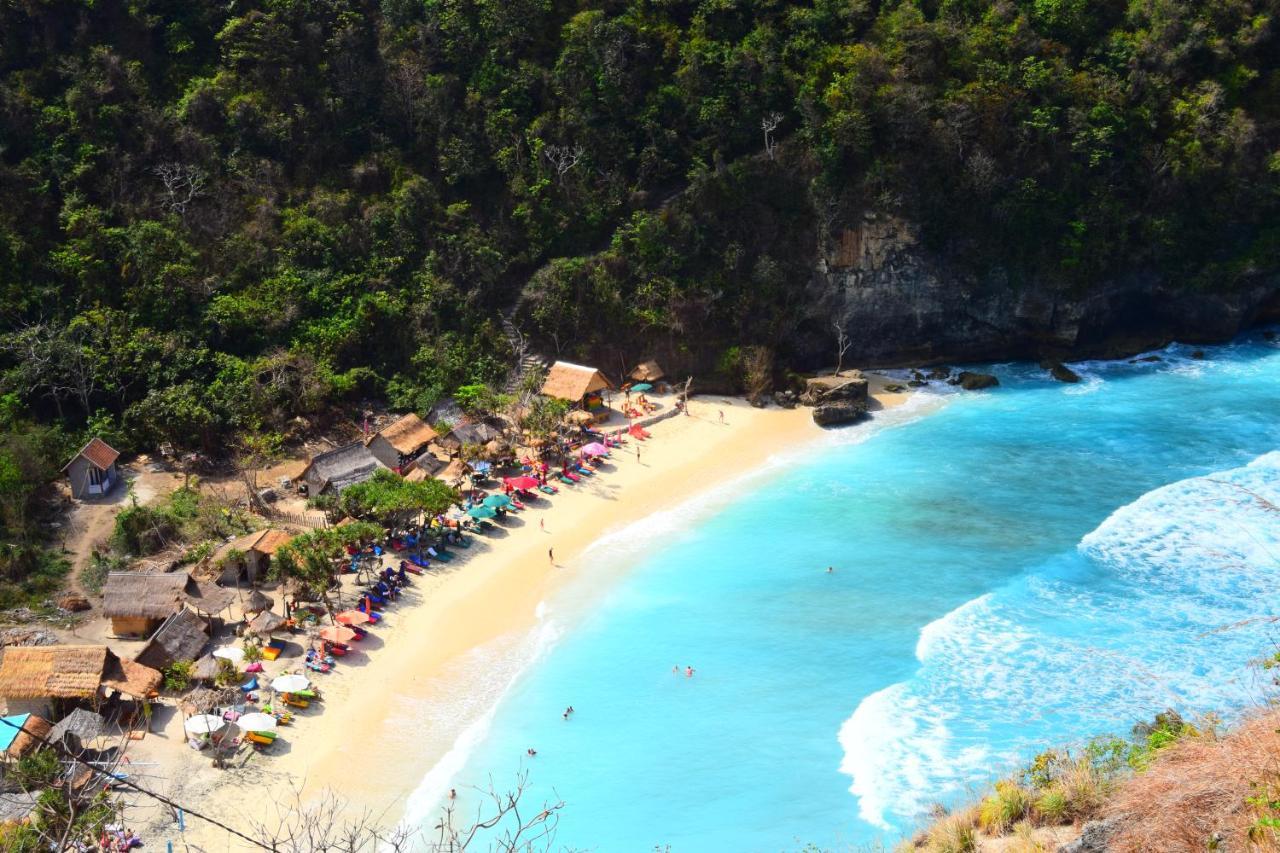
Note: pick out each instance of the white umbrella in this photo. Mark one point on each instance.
(257, 722)
(235, 654)
(290, 683)
(203, 724)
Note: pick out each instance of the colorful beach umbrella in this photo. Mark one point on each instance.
(641, 387)
(497, 501)
(352, 617)
(257, 722)
(290, 683)
(337, 634)
(595, 448)
(203, 724)
(522, 482)
(482, 512)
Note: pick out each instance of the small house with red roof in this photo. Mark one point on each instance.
(93, 470)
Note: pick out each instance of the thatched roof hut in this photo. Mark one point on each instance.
(137, 602)
(341, 467)
(266, 622)
(182, 637)
(205, 669)
(209, 598)
(247, 557)
(21, 734)
(647, 371)
(52, 672)
(396, 445)
(572, 382)
(258, 601)
(85, 725)
(477, 433)
(130, 678)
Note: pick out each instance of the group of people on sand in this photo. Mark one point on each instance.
(115, 839)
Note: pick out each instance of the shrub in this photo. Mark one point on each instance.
(954, 834)
(1084, 788)
(1051, 806)
(1005, 807)
(228, 675)
(252, 652)
(177, 675)
(36, 770)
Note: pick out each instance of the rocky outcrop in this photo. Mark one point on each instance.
(1095, 837)
(970, 381)
(903, 305)
(837, 399)
(1060, 371)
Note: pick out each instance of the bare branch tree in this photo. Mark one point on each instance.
(499, 812)
(842, 344)
(183, 183)
(562, 158)
(769, 124)
(326, 825)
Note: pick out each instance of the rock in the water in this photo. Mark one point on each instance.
(785, 399)
(916, 383)
(939, 373)
(839, 412)
(1060, 371)
(915, 374)
(73, 603)
(971, 381)
(895, 388)
(1148, 358)
(1094, 837)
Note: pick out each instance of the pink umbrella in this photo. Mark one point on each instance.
(337, 634)
(522, 482)
(595, 448)
(352, 617)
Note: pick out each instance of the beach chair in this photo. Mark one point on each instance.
(260, 739)
(250, 685)
(317, 666)
(419, 561)
(405, 565)
(548, 489)
(273, 650)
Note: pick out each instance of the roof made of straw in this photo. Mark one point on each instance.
(204, 699)
(258, 601)
(647, 371)
(568, 381)
(151, 596)
(266, 622)
(130, 677)
(182, 637)
(85, 725)
(266, 541)
(478, 433)
(408, 434)
(208, 597)
(98, 452)
(342, 466)
(33, 730)
(58, 672)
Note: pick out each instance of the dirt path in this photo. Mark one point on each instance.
(91, 521)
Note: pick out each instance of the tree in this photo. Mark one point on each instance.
(308, 559)
(388, 498)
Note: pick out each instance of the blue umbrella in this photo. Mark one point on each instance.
(497, 501)
(642, 387)
(482, 512)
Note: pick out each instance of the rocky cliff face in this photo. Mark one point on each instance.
(902, 307)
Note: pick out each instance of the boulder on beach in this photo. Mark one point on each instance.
(1060, 371)
(838, 412)
(971, 381)
(939, 373)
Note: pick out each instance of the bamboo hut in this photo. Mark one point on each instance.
(247, 557)
(208, 599)
(33, 679)
(266, 623)
(258, 601)
(396, 446)
(579, 384)
(138, 602)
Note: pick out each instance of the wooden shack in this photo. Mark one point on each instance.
(138, 602)
(334, 470)
(399, 444)
(93, 470)
(39, 679)
(580, 385)
(248, 557)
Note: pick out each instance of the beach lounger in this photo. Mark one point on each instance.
(419, 561)
(318, 667)
(273, 650)
(260, 739)
(548, 489)
(250, 685)
(295, 701)
(410, 567)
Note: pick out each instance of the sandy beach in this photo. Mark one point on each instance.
(357, 744)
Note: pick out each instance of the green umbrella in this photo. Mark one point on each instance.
(641, 387)
(481, 512)
(497, 501)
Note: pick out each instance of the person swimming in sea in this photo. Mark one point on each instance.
(688, 672)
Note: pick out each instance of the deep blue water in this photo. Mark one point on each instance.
(1015, 568)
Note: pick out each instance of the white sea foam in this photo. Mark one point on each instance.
(1056, 657)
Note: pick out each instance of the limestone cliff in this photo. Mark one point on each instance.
(900, 305)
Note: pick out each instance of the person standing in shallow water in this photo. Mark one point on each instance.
(688, 672)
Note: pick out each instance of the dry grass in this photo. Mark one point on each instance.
(955, 833)
(1197, 790)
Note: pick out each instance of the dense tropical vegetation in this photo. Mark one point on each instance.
(220, 216)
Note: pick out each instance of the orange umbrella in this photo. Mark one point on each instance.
(337, 634)
(352, 617)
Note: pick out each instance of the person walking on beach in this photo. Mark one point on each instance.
(722, 416)
(542, 525)
(551, 556)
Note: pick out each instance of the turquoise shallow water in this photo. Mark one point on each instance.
(1018, 568)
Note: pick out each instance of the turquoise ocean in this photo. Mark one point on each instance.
(1017, 568)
